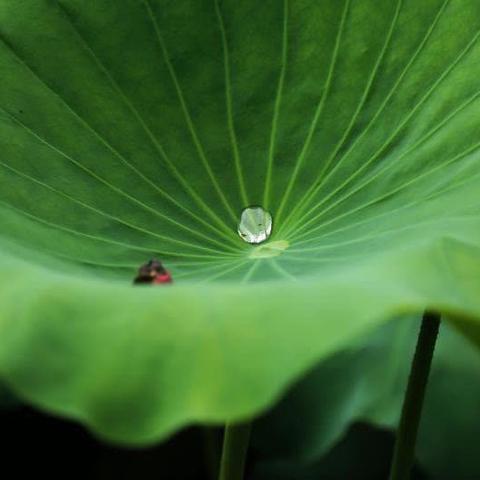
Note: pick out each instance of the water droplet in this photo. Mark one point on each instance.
(255, 225)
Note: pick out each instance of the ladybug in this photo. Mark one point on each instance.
(153, 273)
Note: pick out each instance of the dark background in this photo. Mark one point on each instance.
(56, 448)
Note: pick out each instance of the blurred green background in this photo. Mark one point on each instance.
(329, 426)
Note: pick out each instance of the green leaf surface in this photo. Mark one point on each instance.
(366, 382)
(142, 128)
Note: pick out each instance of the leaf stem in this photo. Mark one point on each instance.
(211, 440)
(403, 456)
(235, 446)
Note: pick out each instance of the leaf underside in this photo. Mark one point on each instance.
(142, 128)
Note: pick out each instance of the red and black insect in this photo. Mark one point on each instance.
(153, 273)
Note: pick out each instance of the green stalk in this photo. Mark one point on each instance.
(211, 442)
(234, 453)
(404, 453)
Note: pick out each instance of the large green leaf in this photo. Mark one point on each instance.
(142, 128)
(367, 383)
(364, 382)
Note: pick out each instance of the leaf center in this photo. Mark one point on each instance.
(271, 249)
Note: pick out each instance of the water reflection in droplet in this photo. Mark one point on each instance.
(255, 225)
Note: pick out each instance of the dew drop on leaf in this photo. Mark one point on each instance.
(255, 225)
